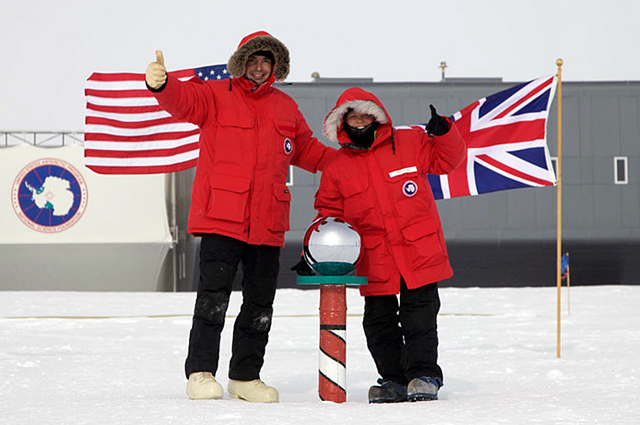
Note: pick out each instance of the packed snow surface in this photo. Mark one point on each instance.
(117, 358)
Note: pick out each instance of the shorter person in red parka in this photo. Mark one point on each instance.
(378, 183)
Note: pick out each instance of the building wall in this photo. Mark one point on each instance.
(499, 239)
(114, 236)
(509, 238)
(600, 121)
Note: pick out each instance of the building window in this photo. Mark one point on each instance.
(620, 170)
(290, 176)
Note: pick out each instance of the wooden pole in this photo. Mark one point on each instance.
(559, 63)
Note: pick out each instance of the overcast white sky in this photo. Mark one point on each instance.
(49, 47)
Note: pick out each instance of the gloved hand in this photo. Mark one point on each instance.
(156, 75)
(302, 268)
(437, 125)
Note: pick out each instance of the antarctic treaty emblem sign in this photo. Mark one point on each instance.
(49, 195)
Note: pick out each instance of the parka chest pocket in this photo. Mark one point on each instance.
(358, 201)
(286, 133)
(401, 177)
(228, 198)
(408, 187)
(230, 117)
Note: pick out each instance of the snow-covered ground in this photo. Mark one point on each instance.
(117, 358)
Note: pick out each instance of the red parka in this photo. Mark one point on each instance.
(249, 135)
(385, 194)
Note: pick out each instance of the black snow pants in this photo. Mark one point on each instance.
(219, 260)
(403, 341)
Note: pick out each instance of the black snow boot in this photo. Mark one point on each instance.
(387, 392)
(423, 388)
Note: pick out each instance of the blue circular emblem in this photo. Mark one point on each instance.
(409, 188)
(288, 146)
(49, 195)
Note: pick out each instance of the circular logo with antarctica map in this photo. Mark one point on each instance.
(49, 195)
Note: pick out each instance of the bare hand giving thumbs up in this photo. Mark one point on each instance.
(156, 72)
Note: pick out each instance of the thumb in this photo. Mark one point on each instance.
(159, 57)
(433, 109)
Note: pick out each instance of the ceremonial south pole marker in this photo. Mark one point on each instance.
(332, 248)
(332, 363)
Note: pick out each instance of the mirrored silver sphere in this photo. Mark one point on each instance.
(331, 246)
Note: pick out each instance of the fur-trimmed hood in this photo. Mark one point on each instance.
(255, 42)
(359, 100)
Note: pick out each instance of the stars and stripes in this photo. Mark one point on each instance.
(127, 132)
(506, 142)
(212, 72)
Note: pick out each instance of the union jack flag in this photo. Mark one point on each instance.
(506, 142)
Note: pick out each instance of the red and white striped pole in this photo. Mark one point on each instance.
(332, 364)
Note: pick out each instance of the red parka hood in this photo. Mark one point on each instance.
(361, 101)
(260, 40)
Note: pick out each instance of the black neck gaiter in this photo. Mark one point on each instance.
(362, 137)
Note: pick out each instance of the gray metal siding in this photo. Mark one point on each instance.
(600, 121)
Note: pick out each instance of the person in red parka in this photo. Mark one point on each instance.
(250, 132)
(378, 183)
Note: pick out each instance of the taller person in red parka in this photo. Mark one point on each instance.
(250, 133)
(378, 183)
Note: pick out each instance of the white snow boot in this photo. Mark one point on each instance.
(203, 386)
(255, 391)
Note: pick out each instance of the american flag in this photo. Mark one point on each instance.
(127, 132)
(506, 142)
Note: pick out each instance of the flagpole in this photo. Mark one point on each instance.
(559, 63)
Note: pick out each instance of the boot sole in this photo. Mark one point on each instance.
(204, 398)
(237, 397)
(386, 401)
(423, 397)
